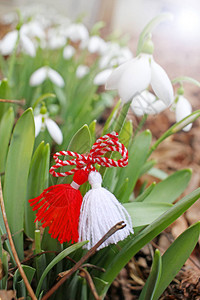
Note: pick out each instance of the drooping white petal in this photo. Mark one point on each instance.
(77, 32)
(155, 107)
(102, 77)
(38, 124)
(27, 45)
(161, 84)
(54, 131)
(96, 44)
(68, 52)
(113, 80)
(55, 77)
(135, 78)
(8, 42)
(81, 71)
(139, 105)
(38, 76)
(183, 109)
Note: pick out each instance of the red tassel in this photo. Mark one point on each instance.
(59, 208)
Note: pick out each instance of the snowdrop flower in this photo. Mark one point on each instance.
(183, 108)
(10, 39)
(55, 40)
(146, 103)
(114, 55)
(33, 29)
(102, 77)
(42, 122)
(68, 52)
(81, 71)
(41, 74)
(96, 45)
(77, 33)
(135, 75)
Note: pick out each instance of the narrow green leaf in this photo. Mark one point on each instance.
(111, 118)
(4, 90)
(176, 255)
(6, 126)
(146, 192)
(143, 213)
(16, 176)
(137, 156)
(171, 188)
(126, 133)
(37, 182)
(153, 279)
(92, 128)
(57, 259)
(147, 167)
(81, 143)
(158, 173)
(18, 283)
(133, 245)
(5, 259)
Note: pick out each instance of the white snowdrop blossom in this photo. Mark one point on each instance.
(42, 122)
(41, 74)
(55, 40)
(68, 52)
(96, 45)
(183, 109)
(10, 39)
(82, 71)
(146, 103)
(114, 55)
(33, 29)
(135, 75)
(102, 77)
(77, 32)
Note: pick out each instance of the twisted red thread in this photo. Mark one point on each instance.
(106, 143)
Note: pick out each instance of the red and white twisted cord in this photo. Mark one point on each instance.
(106, 143)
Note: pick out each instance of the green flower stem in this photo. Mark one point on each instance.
(117, 128)
(175, 128)
(140, 125)
(37, 242)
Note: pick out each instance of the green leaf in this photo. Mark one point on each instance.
(147, 167)
(57, 259)
(143, 213)
(171, 188)
(18, 283)
(137, 156)
(92, 128)
(153, 279)
(81, 143)
(37, 181)
(158, 173)
(133, 245)
(176, 255)
(5, 260)
(16, 176)
(6, 126)
(126, 133)
(149, 27)
(4, 89)
(146, 192)
(111, 118)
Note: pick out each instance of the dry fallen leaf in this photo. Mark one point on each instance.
(7, 295)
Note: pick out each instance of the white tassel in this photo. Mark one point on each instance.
(100, 211)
